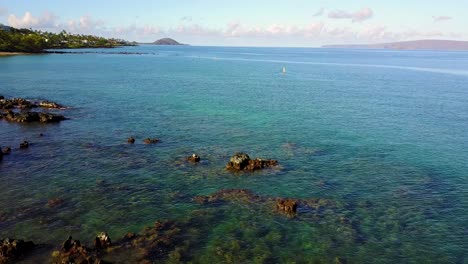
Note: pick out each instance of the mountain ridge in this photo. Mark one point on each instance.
(424, 44)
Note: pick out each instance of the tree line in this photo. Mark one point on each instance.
(33, 41)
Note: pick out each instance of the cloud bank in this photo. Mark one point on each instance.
(313, 33)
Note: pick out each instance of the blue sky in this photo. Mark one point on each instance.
(247, 23)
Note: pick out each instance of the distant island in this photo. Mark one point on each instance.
(32, 41)
(449, 45)
(166, 41)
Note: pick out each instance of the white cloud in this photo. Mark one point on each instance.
(441, 18)
(84, 25)
(236, 32)
(46, 21)
(358, 16)
(319, 12)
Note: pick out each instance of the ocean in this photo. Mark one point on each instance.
(381, 137)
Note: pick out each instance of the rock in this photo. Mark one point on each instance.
(23, 117)
(288, 206)
(150, 140)
(28, 117)
(55, 202)
(48, 104)
(2, 97)
(242, 161)
(50, 118)
(194, 158)
(238, 162)
(73, 252)
(102, 241)
(12, 249)
(41, 135)
(24, 144)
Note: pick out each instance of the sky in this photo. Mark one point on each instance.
(287, 23)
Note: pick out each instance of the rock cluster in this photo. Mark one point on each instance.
(242, 162)
(19, 110)
(21, 103)
(73, 251)
(28, 117)
(12, 249)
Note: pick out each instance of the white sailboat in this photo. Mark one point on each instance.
(284, 69)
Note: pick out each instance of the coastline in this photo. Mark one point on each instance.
(7, 53)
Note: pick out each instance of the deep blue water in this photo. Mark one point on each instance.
(384, 134)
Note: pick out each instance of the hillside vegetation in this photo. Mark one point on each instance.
(26, 40)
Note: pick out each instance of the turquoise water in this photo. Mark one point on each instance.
(383, 134)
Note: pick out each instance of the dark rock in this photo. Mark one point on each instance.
(194, 158)
(102, 241)
(131, 140)
(12, 249)
(73, 252)
(55, 202)
(2, 97)
(150, 140)
(28, 117)
(24, 144)
(50, 118)
(238, 162)
(48, 104)
(288, 206)
(242, 161)
(41, 135)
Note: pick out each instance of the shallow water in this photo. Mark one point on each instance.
(381, 133)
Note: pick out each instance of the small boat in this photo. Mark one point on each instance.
(284, 69)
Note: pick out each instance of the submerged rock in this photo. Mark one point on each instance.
(102, 241)
(55, 202)
(193, 158)
(13, 249)
(130, 140)
(241, 161)
(150, 140)
(24, 144)
(288, 206)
